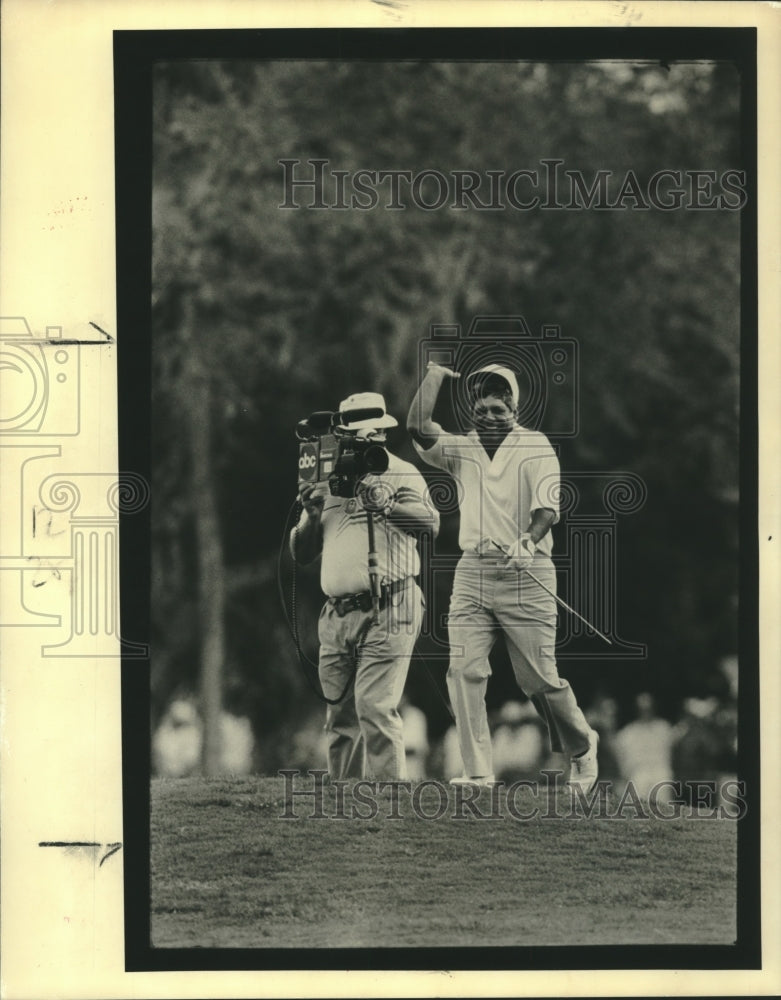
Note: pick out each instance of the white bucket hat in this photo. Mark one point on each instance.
(505, 373)
(362, 410)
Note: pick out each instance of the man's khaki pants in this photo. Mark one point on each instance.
(364, 730)
(488, 599)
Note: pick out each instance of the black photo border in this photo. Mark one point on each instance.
(135, 54)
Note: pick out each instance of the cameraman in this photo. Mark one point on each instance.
(365, 660)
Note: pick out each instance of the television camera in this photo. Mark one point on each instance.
(350, 465)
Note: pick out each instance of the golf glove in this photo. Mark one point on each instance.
(520, 555)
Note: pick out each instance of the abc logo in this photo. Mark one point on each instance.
(307, 462)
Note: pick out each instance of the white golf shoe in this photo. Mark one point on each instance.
(480, 781)
(584, 770)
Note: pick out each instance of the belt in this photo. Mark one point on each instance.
(363, 601)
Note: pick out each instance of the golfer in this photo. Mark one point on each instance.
(508, 484)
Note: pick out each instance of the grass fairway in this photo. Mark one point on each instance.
(228, 871)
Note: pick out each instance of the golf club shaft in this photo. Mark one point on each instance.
(572, 611)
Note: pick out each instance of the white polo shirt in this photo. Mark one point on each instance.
(345, 560)
(496, 497)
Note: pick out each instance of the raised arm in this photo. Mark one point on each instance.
(420, 424)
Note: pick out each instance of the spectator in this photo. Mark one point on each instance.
(698, 744)
(644, 749)
(237, 744)
(177, 742)
(415, 727)
(518, 742)
(727, 721)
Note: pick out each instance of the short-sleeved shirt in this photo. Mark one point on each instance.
(497, 496)
(345, 560)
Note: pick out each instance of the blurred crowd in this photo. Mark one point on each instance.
(698, 744)
(177, 741)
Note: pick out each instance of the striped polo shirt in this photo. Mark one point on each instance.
(344, 568)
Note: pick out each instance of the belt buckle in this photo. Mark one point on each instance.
(352, 602)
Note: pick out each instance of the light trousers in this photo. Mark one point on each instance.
(364, 730)
(487, 600)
